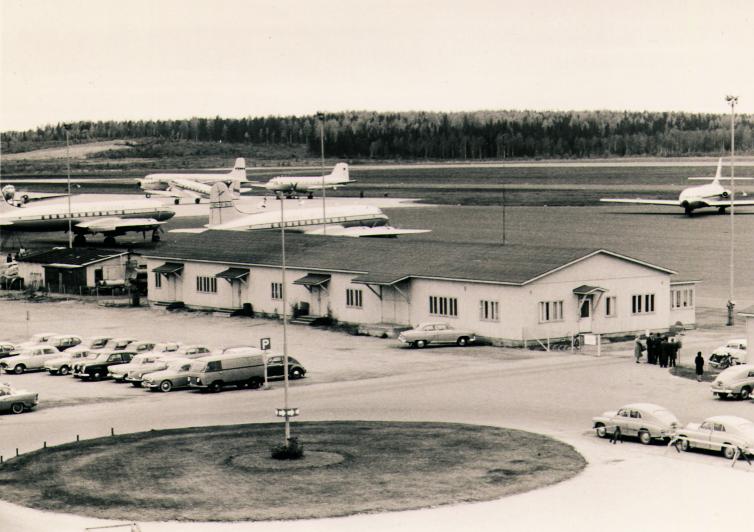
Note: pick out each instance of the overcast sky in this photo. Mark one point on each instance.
(65, 60)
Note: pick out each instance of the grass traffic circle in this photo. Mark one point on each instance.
(225, 473)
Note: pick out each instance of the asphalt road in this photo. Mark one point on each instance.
(367, 378)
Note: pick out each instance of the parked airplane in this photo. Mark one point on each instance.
(698, 197)
(194, 186)
(351, 221)
(292, 186)
(111, 218)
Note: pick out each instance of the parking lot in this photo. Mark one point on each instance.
(356, 377)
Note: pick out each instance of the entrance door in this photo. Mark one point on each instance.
(585, 314)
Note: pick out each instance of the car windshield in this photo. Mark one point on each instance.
(665, 416)
(102, 357)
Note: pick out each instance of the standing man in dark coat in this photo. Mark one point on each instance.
(699, 363)
(651, 349)
(664, 352)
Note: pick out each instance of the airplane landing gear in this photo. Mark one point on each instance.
(79, 240)
(310, 195)
(109, 240)
(721, 210)
(197, 200)
(176, 201)
(155, 236)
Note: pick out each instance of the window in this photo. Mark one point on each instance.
(611, 307)
(277, 290)
(681, 298)
(206, 284)
(488, 311)
(158, 280)
(443, 306)
(215, 365)
(642, 304)
(353, 297)
(550, 311)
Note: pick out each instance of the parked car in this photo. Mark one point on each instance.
(16, 401)
(97, 368)
(730, 354)
(216, 371)
(646, 421)
(36, 339)
(193, 351)
(136, 373)
(64, 341)
(6, 348)
(63, 364)
(119, 344)
(724, 434)
(174, 376)
(275, 368)
(119, 372)
(30, 358)
(436, 333)
(736, 381)
(97, 342)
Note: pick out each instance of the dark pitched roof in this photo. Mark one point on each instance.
(71, 256)
(389, 259)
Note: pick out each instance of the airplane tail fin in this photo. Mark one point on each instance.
(221, 207)
(341, 171)
(239, 170)
(719, 172)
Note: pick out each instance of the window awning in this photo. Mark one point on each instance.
(169, 268)
(233, 274)
(380, 279)
(586, 290)
(313, 279)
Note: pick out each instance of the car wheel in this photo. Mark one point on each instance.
(645, 437)
(19, 369)
(216, 387)
(166, 386)
(255, 383)
(64, 370)
(728, 451)
(462, 341)
(745, 393)
(97, 375)
(17, 408)
(685, 444)
(421, 343)
(296, 373)
(601, 430)
(136, 384)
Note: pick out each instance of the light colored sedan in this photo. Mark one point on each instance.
(137, 373)
(31, 358)
(63, 364)
(436, 333)
(736, 381)
(174, 376)
(16, 401)
(119, 372)
(724, 434)
(646, 421)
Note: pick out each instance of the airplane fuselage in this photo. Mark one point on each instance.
(55, 217)
(303, 184)
(162, 181)
(699, 197)
(302, 219)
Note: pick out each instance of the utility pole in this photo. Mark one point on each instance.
(321, 117)
(285, 326)
(68, 166)
(732, 100)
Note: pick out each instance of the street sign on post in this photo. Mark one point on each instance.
(286, 412)
(265, 344)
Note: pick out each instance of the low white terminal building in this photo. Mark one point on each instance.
(508, 294)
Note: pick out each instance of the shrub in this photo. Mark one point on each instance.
(293, 450)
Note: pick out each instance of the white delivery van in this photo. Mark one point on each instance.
(245, 369)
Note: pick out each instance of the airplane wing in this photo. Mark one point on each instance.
(667, 203)
(25, 197)
(726, 203)
(108, 225)
(190, 230)
(361, 232)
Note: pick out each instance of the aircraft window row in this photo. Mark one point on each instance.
(82, 214)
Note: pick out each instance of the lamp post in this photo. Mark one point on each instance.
(732, 100)
(287, 410)
(321, 118)
(68, 167)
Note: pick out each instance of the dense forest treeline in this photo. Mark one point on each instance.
(432, 135)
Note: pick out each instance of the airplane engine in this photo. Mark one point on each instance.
(724, 194)
(9, 193)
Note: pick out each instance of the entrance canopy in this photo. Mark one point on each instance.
(586, 290)
(169, 268)
(234, 274)
(311, 280)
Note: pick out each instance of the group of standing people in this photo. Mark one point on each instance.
(662, 350)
